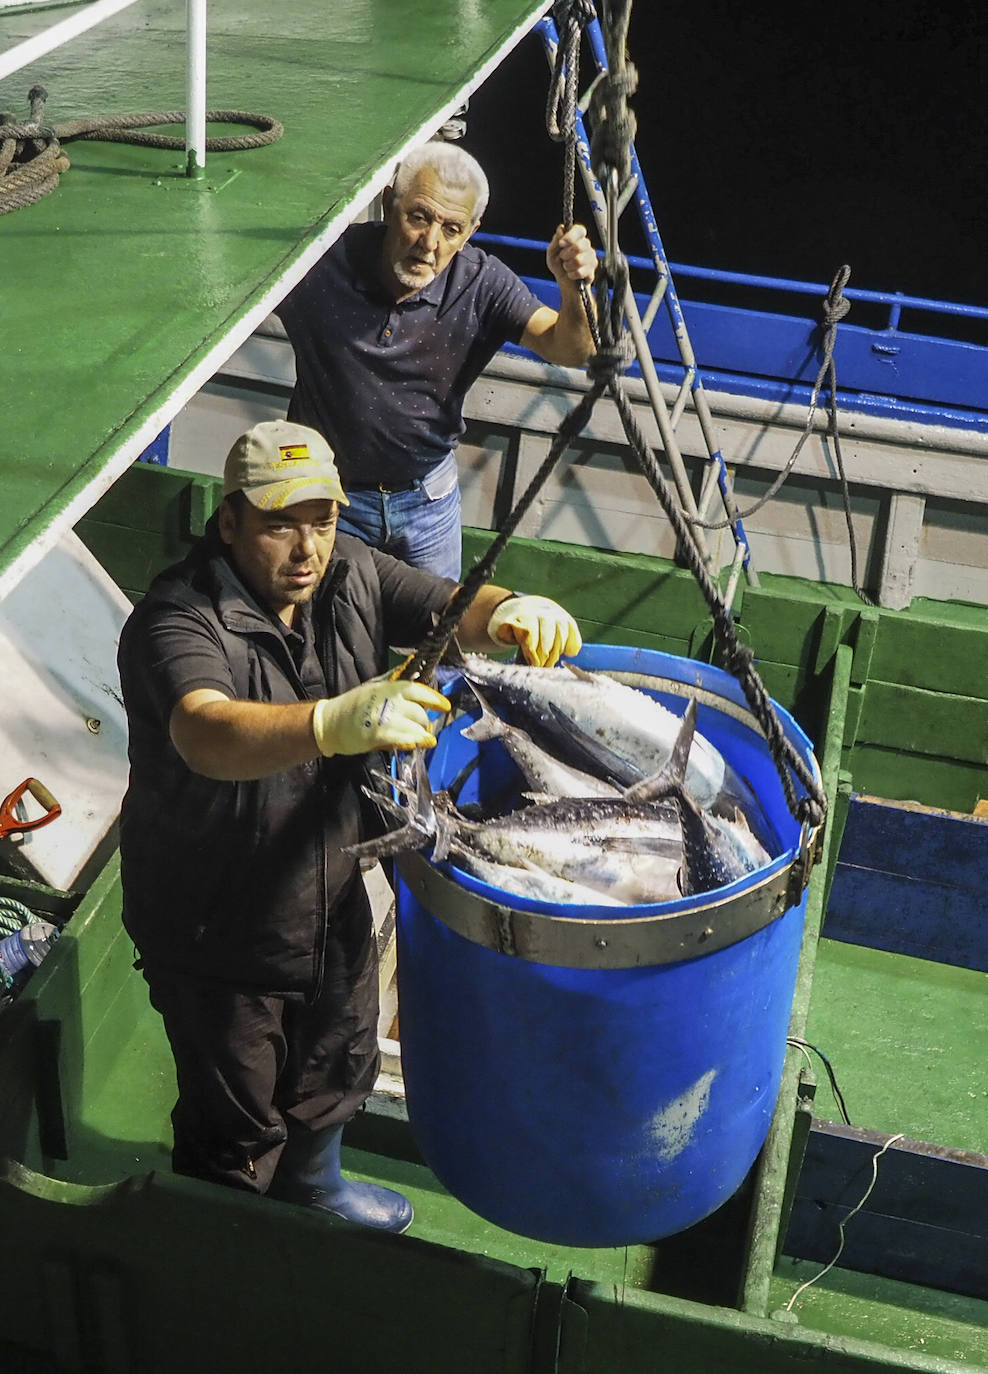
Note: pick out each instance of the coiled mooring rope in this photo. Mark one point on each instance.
(32, 158)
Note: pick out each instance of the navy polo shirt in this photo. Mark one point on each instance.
(385, 381)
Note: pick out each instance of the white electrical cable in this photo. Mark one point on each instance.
(853, 1212)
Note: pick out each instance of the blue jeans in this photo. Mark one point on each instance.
(421, 526)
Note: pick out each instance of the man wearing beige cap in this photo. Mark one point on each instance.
(254, 677)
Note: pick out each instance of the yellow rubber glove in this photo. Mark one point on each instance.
(542, 629)
(380, 714)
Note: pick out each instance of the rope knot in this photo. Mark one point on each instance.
(611, 359)
(566, 12)
(835, 303)
(810, 812)
(614, 125)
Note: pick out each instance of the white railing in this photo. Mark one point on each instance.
(22, 54)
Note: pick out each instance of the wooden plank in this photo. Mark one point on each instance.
(146, 521)
(900, 554)
(925, 1220)
(633, 592)
(928, 920)
(765, 344)
(917, 842)
(917, 721)
(789, 628)
(953, 784)
(912, 880)
(937, 648)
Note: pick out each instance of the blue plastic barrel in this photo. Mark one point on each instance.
(559, 1092)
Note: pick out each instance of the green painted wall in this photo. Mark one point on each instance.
(918, 717)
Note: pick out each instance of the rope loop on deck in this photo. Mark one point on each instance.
(32, 158)
(124, 128)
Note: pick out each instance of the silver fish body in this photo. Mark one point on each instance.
(529, 881)
(543, 772)
(629, 724)
(651, 844)
(632, 853)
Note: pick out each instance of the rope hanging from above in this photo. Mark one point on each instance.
(834, 308)
(32, 158)
(612, 167)
(611, 161)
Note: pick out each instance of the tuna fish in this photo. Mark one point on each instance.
(600, 725)
(651, 844)
(543, 772)
(716, 850)
(528, 881)
(629, 852)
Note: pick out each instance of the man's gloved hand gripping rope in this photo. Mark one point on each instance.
(393, 714)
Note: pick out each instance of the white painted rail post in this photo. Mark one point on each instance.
(195, 107)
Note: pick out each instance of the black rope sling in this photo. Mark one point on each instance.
(32, 157)
(610, 155)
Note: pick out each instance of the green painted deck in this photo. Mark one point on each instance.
(903, 1316)
(117, 1087)
(124, 289)
(907, 1041)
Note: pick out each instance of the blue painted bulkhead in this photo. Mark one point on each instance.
(775, 357)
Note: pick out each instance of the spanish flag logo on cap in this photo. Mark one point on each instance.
(293, 453)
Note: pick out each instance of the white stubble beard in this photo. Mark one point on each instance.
(409, 279)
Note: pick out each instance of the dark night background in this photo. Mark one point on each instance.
(782, 140)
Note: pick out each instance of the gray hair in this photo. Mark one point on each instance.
(454, 167)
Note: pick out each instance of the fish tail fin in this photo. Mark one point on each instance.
(419, 815)
(399, 784)
(446, 834)
(489, 726)
(425, 807)
(385, 803)
(670, 780)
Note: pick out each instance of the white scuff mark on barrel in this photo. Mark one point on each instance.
(672, 1127)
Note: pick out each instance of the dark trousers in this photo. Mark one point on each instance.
(250, 1068)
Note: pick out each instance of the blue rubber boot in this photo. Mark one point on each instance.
(309, 1173)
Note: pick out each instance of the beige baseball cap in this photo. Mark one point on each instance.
(278, 464)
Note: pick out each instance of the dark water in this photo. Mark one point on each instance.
(782, 140)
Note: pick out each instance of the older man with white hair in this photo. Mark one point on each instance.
(390, 330)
